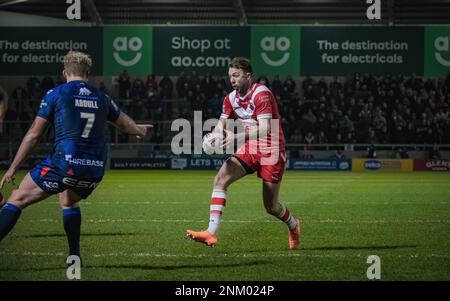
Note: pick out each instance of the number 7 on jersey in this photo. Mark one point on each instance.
(90, 122)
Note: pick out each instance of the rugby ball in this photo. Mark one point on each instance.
(213, 143)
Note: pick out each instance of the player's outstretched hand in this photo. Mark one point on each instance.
(143, 130)
(8, 177)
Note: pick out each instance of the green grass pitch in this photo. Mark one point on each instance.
(134, 229)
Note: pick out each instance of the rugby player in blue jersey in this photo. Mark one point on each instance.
(79, 113)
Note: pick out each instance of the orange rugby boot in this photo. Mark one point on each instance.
(294, 236)
(205, 237)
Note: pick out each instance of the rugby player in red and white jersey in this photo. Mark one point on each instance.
(263, 151)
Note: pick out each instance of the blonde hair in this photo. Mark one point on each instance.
(77, 63)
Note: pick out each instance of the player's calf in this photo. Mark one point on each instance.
(9, 215)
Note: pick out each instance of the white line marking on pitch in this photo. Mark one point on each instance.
(227, 255)
(308, 201)
(309, 221)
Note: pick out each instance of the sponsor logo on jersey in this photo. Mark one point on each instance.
(77, 183)
(84, 91)
(82, 103)
(85, 162)
(43, 104)
(51, 185)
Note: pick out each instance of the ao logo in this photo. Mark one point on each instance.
(442, 44)
(271, 44)
(122, 44)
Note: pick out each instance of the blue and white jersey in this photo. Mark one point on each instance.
(79, 113)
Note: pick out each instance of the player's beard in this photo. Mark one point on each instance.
(243, 88)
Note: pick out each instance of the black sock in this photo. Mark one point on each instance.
(9, 215)
(72, 226)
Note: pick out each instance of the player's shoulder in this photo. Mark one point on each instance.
(260, 90)
(54, 92)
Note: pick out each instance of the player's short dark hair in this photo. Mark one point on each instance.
(241, 63)
(77, 63)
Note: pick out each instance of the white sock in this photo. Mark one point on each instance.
(218, 200)
(288, 218)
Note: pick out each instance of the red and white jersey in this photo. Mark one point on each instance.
(258, 103)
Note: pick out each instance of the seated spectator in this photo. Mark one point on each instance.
(180, 83)
(34, 87)
(151, 86)
(19, 93)
(277, 87)
(290, 85)
(371, 152)
(297, 136)
(263, 80)
(322, 138)
(373, 138)
(156, 138)
(124, 81)
(338, 155)
(47, 84)
(138, 90)
(401, 153)
(103, 88)
(309, 138)
(59, 80)
(166, 86)
(208, 86)
(434, 153)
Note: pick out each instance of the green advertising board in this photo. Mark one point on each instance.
(201, 49)
(437, 51)
(127, 48)
(275, 50)
(40, 51)
(376, 50)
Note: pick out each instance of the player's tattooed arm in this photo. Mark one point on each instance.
(129, 126)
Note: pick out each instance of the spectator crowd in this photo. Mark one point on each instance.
(361, 109)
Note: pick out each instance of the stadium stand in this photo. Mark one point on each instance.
(360, 109)
(235, 12)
